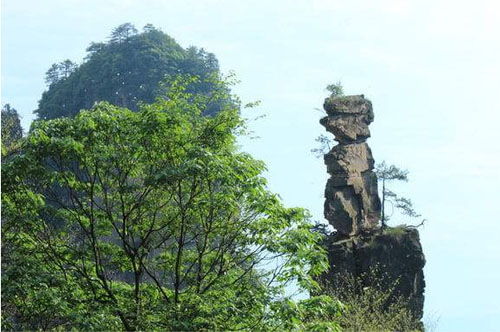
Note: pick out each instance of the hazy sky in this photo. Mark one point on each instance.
(431, 69)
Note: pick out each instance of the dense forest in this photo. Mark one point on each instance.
(127, 69)
(128, 206)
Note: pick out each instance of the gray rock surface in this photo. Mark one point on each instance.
(396, 252)
(357, 105)
(352, 204)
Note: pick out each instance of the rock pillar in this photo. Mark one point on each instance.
(352, 204)
(352, 207)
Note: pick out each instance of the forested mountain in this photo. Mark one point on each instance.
(124, 70)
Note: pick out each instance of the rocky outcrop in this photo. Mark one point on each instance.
(394, 253)
(352, 204)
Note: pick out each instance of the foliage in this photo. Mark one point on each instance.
(324, 147)
(153, 220)
(396, 232)
(59, 71)
(11, 126)
(122, 33)
(12, 132)
(335, 89)
(385, 174)
(319, 313)
(125, 71)
(371, 303)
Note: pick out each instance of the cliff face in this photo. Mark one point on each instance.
(396, 253)
(352, 206)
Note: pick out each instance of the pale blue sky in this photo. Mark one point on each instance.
(431, 69)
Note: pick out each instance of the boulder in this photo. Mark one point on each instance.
(347, 129)
(349, 159)
(349, 105)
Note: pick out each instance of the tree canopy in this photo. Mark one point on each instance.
(12, 132)
(124, 71)
(152, 220)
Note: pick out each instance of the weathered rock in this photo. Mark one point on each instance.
(342, 209)
(347, 128)
(354, 105)
(349, 158)
(348, 118)
(370, 200)
(352, 204)
(395, 252)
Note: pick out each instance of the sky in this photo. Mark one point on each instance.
(430, 68)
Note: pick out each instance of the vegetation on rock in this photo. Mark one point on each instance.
(335, 89)
(388, 173)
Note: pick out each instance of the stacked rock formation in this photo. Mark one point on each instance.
(352, 204)
(352, 207)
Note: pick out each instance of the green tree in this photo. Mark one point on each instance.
(371, 303)
(122, 32)
(52, 74)
(12, 132)
(59, 71)
(386, 174)
(66, 68)
(125, 73)
(325, 145)
(152, 221)
(335, 89)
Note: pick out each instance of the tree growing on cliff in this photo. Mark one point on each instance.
(335, 89)
(163, 225)
(386, 174)
(125, 71)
